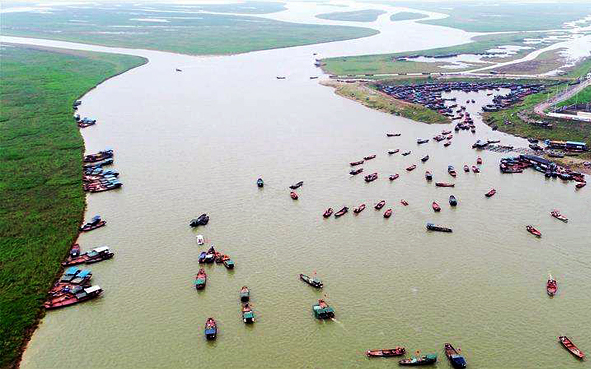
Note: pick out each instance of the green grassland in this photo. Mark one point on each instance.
(386, 63)
(177, 32)
(406, 16)
(41, 197)
(368, 15)
(583, 97)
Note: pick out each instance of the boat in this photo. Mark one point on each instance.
(411, 168)
(322, 310)
(444, 132)
(556, 214)
(247, 314)
(371, 177)
(228, 263)
(422, 360)
(551, 286)
(490, 193)
(433, 227)
(341, 212)
(380, 205)
(211, 329)
(452, 200)
(260, 182)
(398, 351)
(428, 176)
(244, 294)
(202, 220)
(394, 176)
(533, 231)
(369, 157)
(570, 346)
(200, 239)
(475, 169)
(466, 168)
(406, 153)
(393, 134)
(444, 184)
(451, 170)
(328, 212)
(93, 256)
(82, 277)
(436, 206)
(355, 172)
(95, 223)
(201, 257)
(75, 250)
(280, 77)
(403, 202)
(313, 77)
(200, 279)
(456, 360)
(479, 160)
(355, 163)
(392, 152)
(297, 185)
(210, 255)
(422, 141)
(293, 195)
(359, 209)
(580, 184)
(314, 282)
(447, 143)
(425, 158)
(388, 213)
(72, 298)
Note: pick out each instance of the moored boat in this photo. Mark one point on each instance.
(398, 351)
(327, 213)
(580, 184)
(247, 314)
(452, 200)
(490, 193)
(211, 329)
(341, 212)
(425, 158)
(380, 204)
(421, 360)
(201, 279)
(444, 184)
(260, 182)
(314, 282)
(297, 185)
(388, 213)
(571, 347)
(556, 214)
(394, 177)
(293, 195)
(322, 310)
(436, 206)
(68, 299)
(533, 231)
(551, 286)
(244, 294)
(201, 257)
(411, 168)
(75, 250)
(95, 223)
(359, 209)
(456, 360)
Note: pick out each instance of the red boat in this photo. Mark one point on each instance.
(466, 168)
(411, 168)
(398, 351)
(570, 346)
(580, 185)
(71, 299)
(369, 157)
(394, 176)
(380, 205)
(479, 160)
(447, 143)
(475, 169)
(201, 279)
(436, 206)
(556, 214)
(356, 163)
(551, 286)
(359, 209)
(388, 213)
(327, 212)
(533, 231)
(293, 195)
(403, 202)
(444, 184)
(90, 226)
(490, 193)
(341, 212)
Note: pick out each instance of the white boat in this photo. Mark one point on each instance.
(200, 239)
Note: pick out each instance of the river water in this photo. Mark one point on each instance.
(193, 142)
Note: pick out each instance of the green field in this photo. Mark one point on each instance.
(368, 15)
(41, 184)
(170, 28)
(385, 63)
(583, 97)
(406, 16)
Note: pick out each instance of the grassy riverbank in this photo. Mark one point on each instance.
(545, 62)
(368, 15)
(170, 28)
(583, 97)
(41, 197)
(370, 97)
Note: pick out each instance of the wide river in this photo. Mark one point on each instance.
(194, 142)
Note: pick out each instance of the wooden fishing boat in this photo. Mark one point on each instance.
(380, 205)
(411, 168)
(466, 168)
(533, 231)
(450, 137)
(428, 176)
(580, 185)
(67, 299)
(446, 144)
(388, 213)
(451, 170)
(444, 132)
(393, 134)
(551, 286)
(433, 227)
(452, 200)
(403, 202)
(406, 153)
(95, 223)
(456, 360)
(211, 329)
(200, 279)
(394, 177)
(571, 347)
(436, 206)
(355, 172)
(293, 195)
(371, 177)
(314, 282)
(490, 193)
(228, 263)
(327, 213)
(341, 212)
(260, 182)
(247, 314)
(322, 310)
(359, 209)
(479, 160)
(398, 351)
(297, 185)
(355, 163)
(425, 158)
(422, 141)
(556, 214)
(444, 184)
(369, 157)
(475, 169)
(392, 152)
(421, 360)
(244, 294)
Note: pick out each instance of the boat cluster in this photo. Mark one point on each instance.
(455, 358)
(95, 178)
(550, 169)
(82, 122)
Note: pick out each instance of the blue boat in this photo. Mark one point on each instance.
(457, 361)
(82, 277)
(201, 258)
(69, 274)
